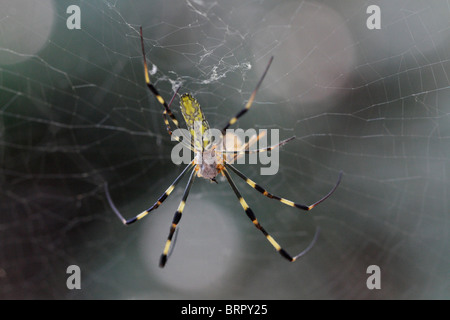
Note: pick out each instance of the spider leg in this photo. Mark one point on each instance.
(156, 93)
(167, 111)
(252, 217)
(177, 138)
(246, 151)
(155, 206)
(240, 152)
(260, 189)
(249, 102)
(166, 121)
(176, 219)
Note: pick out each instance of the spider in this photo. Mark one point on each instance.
(209, 163)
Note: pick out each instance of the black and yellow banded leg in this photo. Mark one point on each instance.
(167, 111)
(177, 138)
(252, 217)
(176, 220)
(166, 121)
(155, 91)
(290, 203)
(247, 151)
(155, 206)
(249, 102)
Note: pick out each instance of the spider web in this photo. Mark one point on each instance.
(75, 113)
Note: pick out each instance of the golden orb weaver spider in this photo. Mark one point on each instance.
(217, 163)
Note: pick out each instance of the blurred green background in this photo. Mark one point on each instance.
(75, 113)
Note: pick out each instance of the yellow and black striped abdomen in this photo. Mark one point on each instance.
(195, 121)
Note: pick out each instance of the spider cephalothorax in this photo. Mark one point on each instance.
(209, 163)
